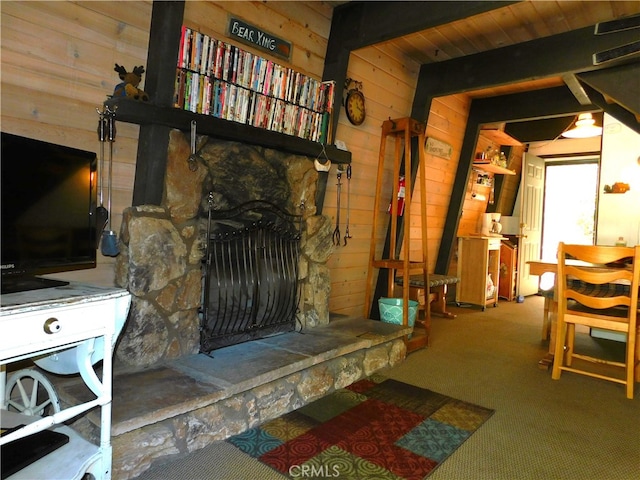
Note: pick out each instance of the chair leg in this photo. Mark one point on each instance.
(558, 355)
(570, 342)
(631, 363)
(630, 380)
(637, 355)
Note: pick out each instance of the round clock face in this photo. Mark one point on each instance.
(354, 106)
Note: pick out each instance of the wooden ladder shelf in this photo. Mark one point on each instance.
(399, 263)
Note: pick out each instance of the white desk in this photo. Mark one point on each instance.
(73, 326)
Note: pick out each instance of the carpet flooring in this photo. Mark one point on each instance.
(376, 428)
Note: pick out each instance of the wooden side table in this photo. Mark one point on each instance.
(66, 328)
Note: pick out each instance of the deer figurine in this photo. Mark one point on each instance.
(130, 81)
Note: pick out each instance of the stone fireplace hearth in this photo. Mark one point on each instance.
(162, 246)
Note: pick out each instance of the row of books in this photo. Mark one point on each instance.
(209, 96)
(204, 55)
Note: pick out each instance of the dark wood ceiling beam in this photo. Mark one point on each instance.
(534, 104)
(153, 140)
(620, 83)
(614, 109)
(541, 130)
(526, 61)
(557, 55)
(369, 23)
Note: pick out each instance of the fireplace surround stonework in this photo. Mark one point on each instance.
(162, 247)
(168, 399)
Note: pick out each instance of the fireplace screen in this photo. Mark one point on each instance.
(251, 274)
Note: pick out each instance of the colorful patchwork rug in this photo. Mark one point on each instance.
(376, 428)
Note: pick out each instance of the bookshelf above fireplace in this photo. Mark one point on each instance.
(157, 117)
(131, 111)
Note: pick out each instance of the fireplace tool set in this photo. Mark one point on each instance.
(106, 133)
(336, 232)
(347, 235)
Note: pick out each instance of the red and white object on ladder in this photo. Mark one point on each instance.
(401, 185)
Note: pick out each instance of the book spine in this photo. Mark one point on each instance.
(219, 59)
(183, 33)
(234, 65)
(211, 60)
(226, 62)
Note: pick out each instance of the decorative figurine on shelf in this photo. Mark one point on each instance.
(129, 86)
(618, 187)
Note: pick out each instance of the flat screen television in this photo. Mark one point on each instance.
(47, 218)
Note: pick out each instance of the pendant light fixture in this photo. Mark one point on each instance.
(584, 128)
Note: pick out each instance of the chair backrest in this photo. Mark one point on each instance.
(599, 278)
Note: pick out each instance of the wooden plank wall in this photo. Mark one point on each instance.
(51, 89)
(388, 85)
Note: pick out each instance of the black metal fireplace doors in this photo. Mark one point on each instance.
(250, 276)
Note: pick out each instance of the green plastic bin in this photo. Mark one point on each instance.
(391, 310)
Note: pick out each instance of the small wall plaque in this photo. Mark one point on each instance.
(259, 38)
(438, 148)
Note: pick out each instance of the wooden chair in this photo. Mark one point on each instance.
(598, 288)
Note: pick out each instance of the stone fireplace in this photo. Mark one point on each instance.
(170, 400)
(162, 247)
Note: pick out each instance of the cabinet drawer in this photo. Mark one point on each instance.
(53, 327)
(494, 243)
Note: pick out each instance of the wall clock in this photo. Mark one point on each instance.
(354, 104)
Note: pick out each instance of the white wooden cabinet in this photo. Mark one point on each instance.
(68, 329)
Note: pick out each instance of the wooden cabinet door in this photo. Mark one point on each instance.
(508, 263)
(473, 265)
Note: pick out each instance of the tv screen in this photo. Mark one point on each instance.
(47, 211)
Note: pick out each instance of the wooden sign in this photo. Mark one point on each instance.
(259, 38)
(438, 148)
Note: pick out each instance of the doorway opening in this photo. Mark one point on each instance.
(570, 203)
